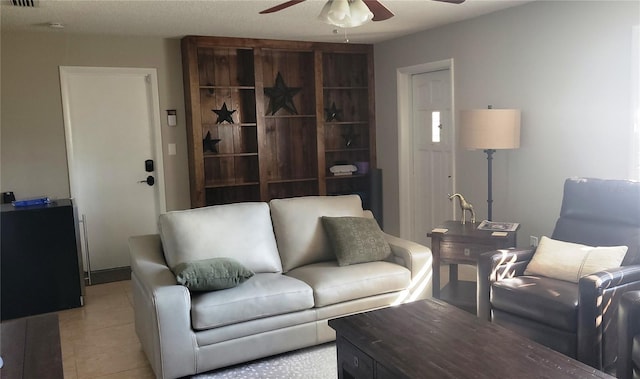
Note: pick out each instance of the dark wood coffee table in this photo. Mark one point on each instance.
(30, 348)
(433, 339)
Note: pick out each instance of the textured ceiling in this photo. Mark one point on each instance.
(238, 18)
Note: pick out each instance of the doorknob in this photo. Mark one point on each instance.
(149, 180)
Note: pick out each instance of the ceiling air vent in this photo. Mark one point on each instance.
(25, 3)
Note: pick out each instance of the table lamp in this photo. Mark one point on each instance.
(490, 130)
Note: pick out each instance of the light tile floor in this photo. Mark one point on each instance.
(98, 340)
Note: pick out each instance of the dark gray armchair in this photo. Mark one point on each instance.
(576, 319)
(629, 336)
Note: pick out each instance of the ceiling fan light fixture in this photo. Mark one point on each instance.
(360, 12)
(324, 13)
(345, 13)
(339, 11)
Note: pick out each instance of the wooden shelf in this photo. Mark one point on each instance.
(342, 177)
(346, 122)
(259, 146)
(355, 149)
(220, 155)
(230, 184)
(345, 88)
(291, 116)
(240, 124)
(229, 87)
(275, 181)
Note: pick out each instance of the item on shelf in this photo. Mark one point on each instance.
(498, 226)
(363, 167)
(8, 197)
(31, 201)
(340, 170)
(281, 96)
(332, 113)
(210, 144)
(224, 114)
(464, 206)
(349, 136)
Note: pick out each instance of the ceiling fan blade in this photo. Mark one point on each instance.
(451, 1)
(282, 6)
(380, 12)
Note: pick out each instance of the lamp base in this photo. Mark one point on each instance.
(489, 181)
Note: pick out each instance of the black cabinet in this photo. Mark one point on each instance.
(40, 265)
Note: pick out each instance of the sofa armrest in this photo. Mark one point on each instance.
(628, 327)
(162, 310)
(599, 297)
(494, 266)
(417, 258)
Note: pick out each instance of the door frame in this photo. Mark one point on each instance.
(405, 137)
(151, 76)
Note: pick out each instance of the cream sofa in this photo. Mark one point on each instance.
(297, 286)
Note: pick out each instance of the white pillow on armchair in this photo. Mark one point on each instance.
(571, 261)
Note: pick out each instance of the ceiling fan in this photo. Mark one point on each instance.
(379, 11)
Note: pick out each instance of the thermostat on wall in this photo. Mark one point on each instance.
(171, 117)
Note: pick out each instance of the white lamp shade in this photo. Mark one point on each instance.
(490, 129)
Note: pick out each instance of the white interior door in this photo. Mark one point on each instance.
(112, 127)
(432, 152)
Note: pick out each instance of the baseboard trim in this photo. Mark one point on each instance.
(107, 276)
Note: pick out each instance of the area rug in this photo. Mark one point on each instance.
(317, 362)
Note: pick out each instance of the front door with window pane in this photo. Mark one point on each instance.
(432, 152)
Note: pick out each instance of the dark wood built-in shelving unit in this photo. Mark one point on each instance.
(271, 153)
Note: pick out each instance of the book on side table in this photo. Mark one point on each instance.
(498, 226)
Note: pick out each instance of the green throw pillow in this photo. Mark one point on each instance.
(211, 274)
(356, 239)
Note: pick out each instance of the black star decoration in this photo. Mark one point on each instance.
(332, 113)
(224, 114)
(210, 144)
(281, 96)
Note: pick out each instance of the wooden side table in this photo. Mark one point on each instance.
(462, 244)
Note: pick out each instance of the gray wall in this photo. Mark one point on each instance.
(566, 65)
(33, 155)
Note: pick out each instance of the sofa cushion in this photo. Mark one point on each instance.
(298, 229)
(545, 300)
(333, 284)
(356, 239)
(211, 274)
(242, 231)
(571, 261)
(264, 295)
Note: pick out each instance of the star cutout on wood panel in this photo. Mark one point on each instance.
(281, 97)
(224, 114)
(210, 144)
(332, 113)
